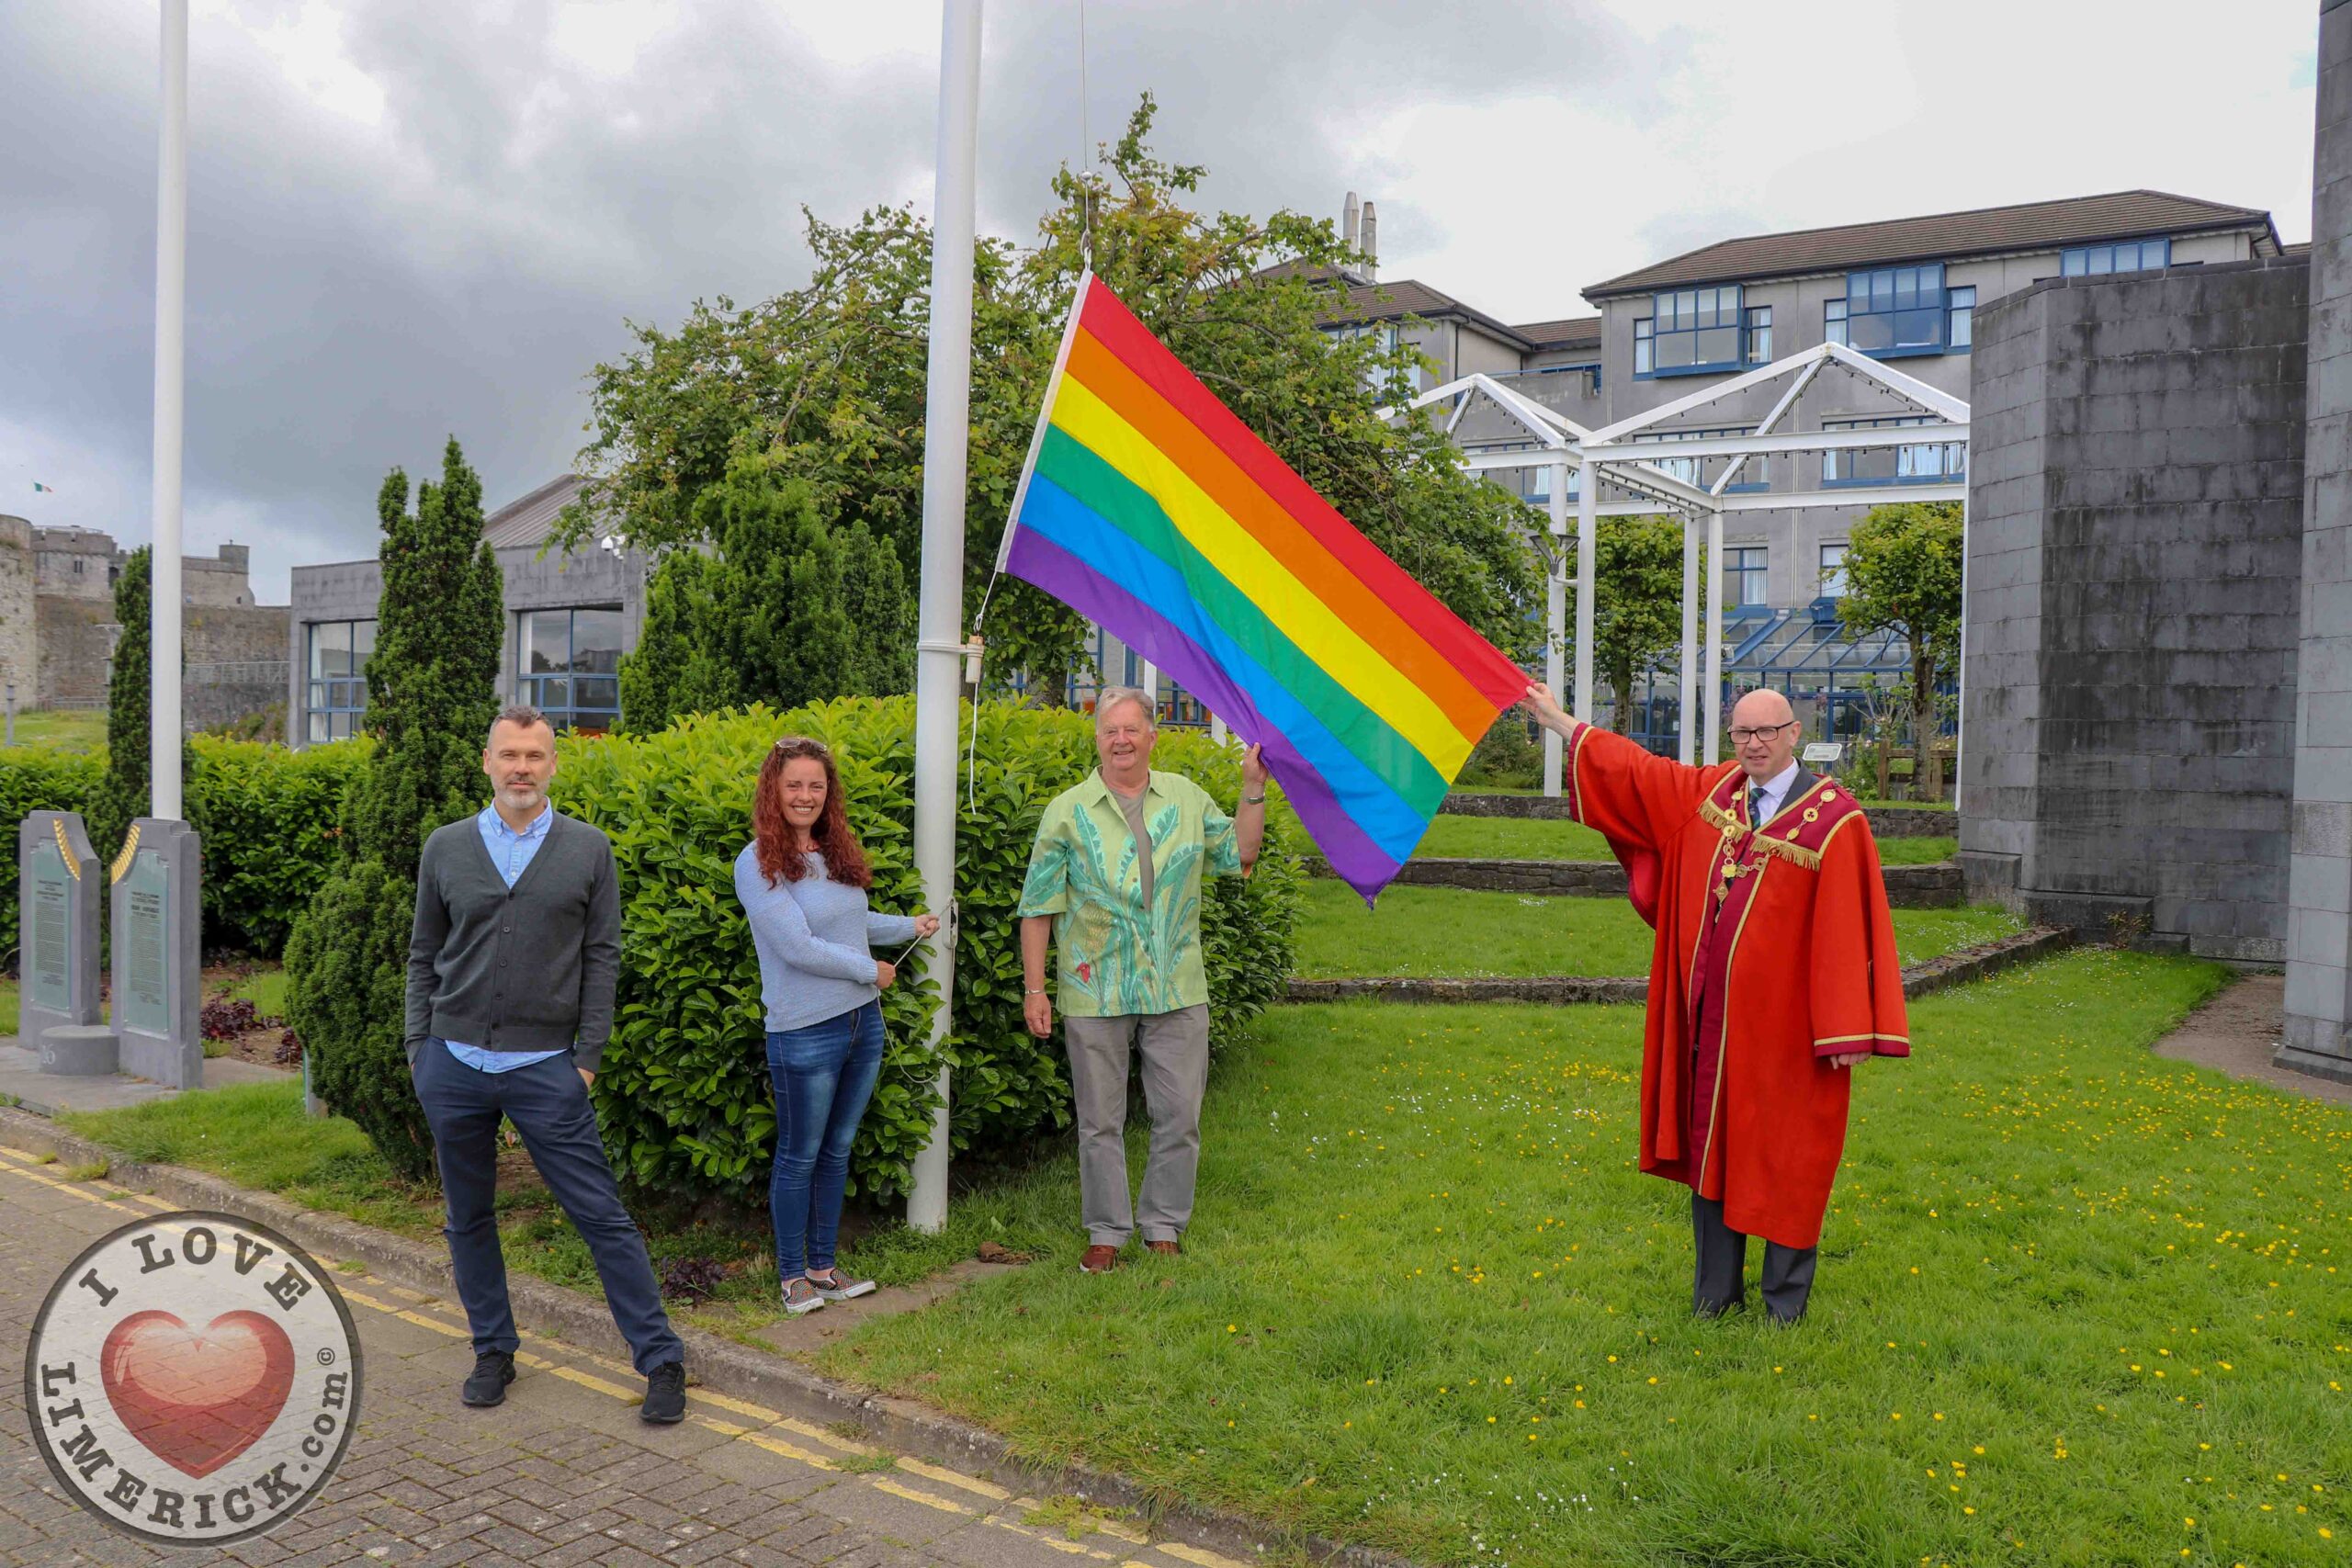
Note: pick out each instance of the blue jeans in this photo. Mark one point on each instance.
(823, 1076)
(549, 1106)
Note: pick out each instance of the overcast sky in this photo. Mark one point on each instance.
(408, 220)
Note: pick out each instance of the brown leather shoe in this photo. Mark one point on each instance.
(1099, 1259)
(1165, 1249)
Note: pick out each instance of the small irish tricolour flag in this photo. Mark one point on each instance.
(40, 489)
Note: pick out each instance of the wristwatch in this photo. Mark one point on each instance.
(1253, 800)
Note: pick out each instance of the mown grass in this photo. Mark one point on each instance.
(65, 730)
(1466, 932)
(1512, 838)
(2078, 1305)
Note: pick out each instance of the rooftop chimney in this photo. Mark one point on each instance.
(1370, 245)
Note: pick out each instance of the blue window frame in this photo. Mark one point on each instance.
(568, 665)
(1960, 330)
(336, 709)
(1833, 571)
(1744, 573)
(1889, 311)
(1760, 334)
(1690, 331)
(1928, 462)
(2132, 256)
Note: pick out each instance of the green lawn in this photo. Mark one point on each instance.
(1510, 838)
(1460, 932)
(2077, 1305)
(67, 729)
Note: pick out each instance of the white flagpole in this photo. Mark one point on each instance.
(939, 616)
(171, 330)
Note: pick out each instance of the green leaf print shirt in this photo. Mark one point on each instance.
(1114, 955)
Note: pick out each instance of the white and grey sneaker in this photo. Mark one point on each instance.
(800, 1296)
(835, 1286)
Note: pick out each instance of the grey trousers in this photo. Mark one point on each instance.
(1175, 1048)
(1716, 1283)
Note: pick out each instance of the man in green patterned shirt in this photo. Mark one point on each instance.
(1115, 880)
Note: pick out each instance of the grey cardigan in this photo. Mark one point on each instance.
(532, 968)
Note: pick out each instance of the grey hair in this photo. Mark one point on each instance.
(523, 714)
(1109, 697)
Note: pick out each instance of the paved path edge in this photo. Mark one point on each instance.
(902, 1425)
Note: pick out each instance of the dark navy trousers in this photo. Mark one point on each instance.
(549, 1106)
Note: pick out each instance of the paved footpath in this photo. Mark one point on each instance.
(563, 1473)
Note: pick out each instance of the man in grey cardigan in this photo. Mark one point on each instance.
(511, 966)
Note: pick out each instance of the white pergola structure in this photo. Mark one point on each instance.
(1624, 458)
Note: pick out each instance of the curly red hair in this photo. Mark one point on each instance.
(844, 856)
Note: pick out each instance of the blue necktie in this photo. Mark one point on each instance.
(1756, 806)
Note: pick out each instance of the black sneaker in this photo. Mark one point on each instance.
(665, 1394)
(493, 1369)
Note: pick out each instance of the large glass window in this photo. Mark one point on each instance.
(1760, 334)
(1744, 574)
(1833, 571)
(1894, 309)
(1691, 330)
(569, 663)
(2097, 261)
(1933, 462)
(337, 666)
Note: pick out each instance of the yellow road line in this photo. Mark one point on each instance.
(955, 1478)
(67, 1187)
(740, 1407)
(388, 1309)
(1194, 1554)
(830, 1439)
(573, 1374)
(945, 1505)
(761, 1439)
(1056, 1542)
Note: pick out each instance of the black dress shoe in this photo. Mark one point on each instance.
(493, 1369)
(665, 1394)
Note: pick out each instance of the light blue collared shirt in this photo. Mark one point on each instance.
(511, 853)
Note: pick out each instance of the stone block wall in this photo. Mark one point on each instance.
(16, 610)
(74, 646)
(2318, 890)
(2135, 549)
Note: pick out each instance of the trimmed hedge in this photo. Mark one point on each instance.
(266, 815)
(36, 778)
(267, 818)
(685, 1093)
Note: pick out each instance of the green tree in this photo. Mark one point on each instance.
(828, 383)
(1902, 567)
(432, 691)
(787, 609)
(126, 791)
(1637, 600)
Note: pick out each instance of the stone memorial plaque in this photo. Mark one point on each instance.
(59, 882)
(157, 931)
(49, 930)
(145, 1000)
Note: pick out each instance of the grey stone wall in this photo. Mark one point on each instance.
(2319, 972)
(2135, 542)
(16, 610)
(74, 643)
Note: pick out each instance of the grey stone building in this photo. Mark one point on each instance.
(57, 628)
(569, 616)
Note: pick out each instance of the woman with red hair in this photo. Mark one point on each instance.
(802, 880)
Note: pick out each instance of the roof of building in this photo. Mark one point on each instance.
(2300, 248)
(2037, 225)
(1574, 332)
(526, 522)
(1388, 301)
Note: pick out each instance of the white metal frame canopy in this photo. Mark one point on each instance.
(1623, 457)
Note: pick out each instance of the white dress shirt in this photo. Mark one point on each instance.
(1771, 794)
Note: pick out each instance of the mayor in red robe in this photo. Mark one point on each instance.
(1773, 973)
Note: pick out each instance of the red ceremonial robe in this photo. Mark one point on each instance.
(1774, 952)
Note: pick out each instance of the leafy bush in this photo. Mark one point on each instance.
(1507, 756)
(267, 818)
(35, 778)
(684, 1092)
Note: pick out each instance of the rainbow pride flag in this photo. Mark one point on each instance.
(1146, 506)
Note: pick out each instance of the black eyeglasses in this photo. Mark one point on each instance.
(1742, 737)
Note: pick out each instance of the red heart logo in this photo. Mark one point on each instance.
(197, 1398)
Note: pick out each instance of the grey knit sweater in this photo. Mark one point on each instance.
(531, 968)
